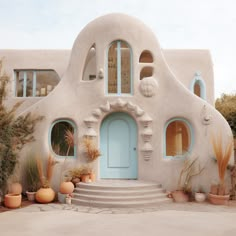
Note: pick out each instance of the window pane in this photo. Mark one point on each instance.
(46, 81)
(177, 138)
(58, 139)
(125, 68)
(19, 83)
(112, 68)
(29, 83)
(197, 89)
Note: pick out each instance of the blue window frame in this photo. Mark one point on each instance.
(119, 69)
(198, 86)
(58, 138)
(178, 138)
(35, 83)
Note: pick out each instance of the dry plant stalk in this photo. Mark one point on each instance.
(69, 139)
(91, 150)
(222, 156)
(46, 180)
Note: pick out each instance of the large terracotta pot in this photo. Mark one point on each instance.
(12, 200)
(15, 188)
(67, 187)
(180, 196)
(45, 195)
(218, 199)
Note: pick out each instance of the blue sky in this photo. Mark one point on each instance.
(193, 24)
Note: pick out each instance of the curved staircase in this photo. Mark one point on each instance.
(119, 194)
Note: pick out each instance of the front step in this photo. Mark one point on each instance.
(119, 194)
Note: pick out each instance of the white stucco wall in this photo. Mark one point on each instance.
(76, 99)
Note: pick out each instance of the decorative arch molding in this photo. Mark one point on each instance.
(198, 80)
(97, 115)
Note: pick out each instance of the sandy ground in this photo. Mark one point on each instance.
(168, 219)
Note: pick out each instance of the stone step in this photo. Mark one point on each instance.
(116, 186)
(118, 193)
(114, 198)
(119, 204)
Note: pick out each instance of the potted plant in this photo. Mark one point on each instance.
(218, 194)
(31, 176)
(66, 186)
(188, 171)
(45, 194)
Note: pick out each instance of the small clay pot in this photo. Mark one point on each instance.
(12, 200)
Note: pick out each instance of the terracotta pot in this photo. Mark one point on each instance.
(67, 187)
(45, 195)
(85, 178)
(180, 196)
(15, 188)
(218, 199)
(200, 197)
(31, 196)
(75, 181)
(12, 200)
(92, 177)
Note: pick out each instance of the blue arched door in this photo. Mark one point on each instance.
(118, 143)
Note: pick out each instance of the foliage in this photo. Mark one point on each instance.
(45, 180)
(31, 174)
(92, 151)
(189, 170)
(15, 132)
(222, 156)
(226, 105)
(82, 170)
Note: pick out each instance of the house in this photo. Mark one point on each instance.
(147, 108)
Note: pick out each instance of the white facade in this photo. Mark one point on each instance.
(116, 67)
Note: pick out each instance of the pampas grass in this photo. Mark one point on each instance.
(91, 150)
(45, 181)
(222, 156)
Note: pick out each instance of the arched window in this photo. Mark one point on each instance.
(198, 86)
(147, 71)
(119, 64)
(178, 138)
(90, 65)
(62, 138)
(146, 57)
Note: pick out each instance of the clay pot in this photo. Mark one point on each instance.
(31, 196)
(200, 197)
(15, 188)
(67, 187)
(218, 199)
(85, 178)
(180, 196)
(92, 177)
(12, 200)
(45, 195)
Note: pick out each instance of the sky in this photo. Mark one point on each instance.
(177, 24)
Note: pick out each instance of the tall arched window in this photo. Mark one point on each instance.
(178, 138)
(62, 138)
(119, 76)
(198, 86)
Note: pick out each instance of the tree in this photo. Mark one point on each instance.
(15, 132)
(226, 105)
